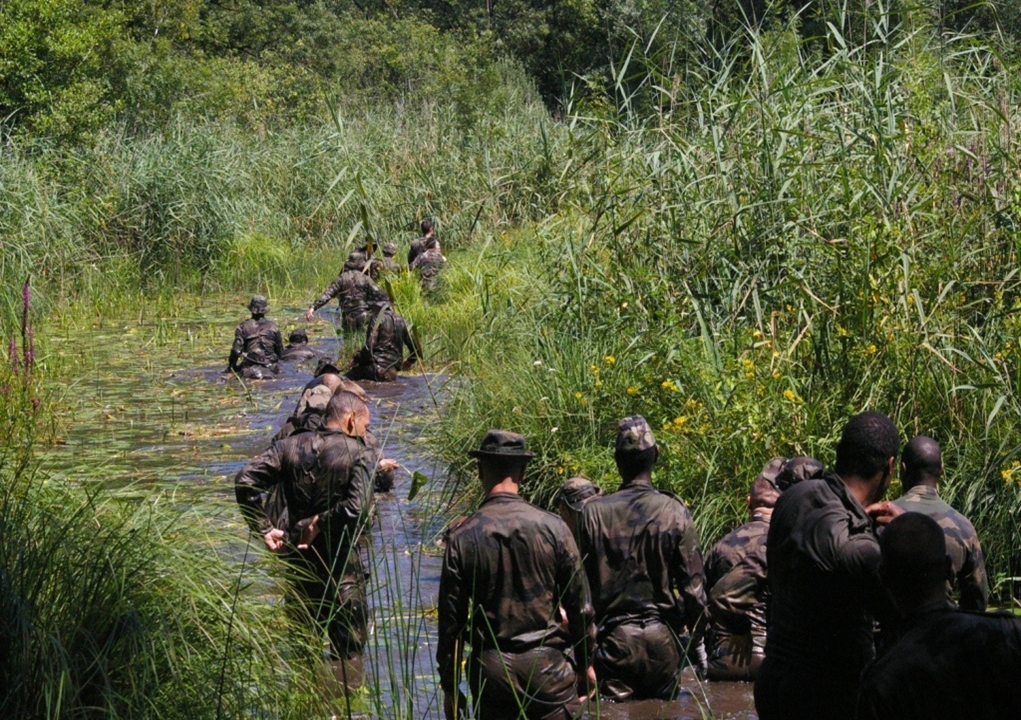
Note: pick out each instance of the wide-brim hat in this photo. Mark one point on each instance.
(502, 444)
(258, 304)
(576, 491)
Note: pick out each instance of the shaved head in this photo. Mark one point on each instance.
(915, 564)
(346, 403)
(922, 462)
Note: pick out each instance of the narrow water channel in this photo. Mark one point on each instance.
(147, 410)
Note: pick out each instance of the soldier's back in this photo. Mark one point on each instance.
(733, 547)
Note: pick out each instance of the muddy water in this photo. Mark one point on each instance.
(148, 411)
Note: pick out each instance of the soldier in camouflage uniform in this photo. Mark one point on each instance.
(921, 468)
(572, 498)
(383, 353)
(428, 265)
(257, 345)
(738, 588)
(297, 348)
(323, 480)
(419, 246)
(385, 265)
(356, 292)
(507, 572)
(947, 664)
(823, 561)
(644, 565)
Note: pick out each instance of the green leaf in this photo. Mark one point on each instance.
(418, 480)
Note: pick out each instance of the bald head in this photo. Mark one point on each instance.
(915, 565)
(348, 413)
(922, 462)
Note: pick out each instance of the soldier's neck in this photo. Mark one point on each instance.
(507, 485)
(642, 477)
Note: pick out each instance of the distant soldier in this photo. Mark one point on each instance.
(358, 260)
(297, 348)
(573, 496)
(428, 264)
(385, 265)
(356, 291)
(257, 345)
(738, 587)
(383, 353)
(418, 246)
(823, 560)
(324, 480)
(921, 468)
(507, 572)
(644, 565)
(946, 664)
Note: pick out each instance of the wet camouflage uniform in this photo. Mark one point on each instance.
(506, 571)
(417, 248)
(257, 345)
(329, 474)
(644, 565)
(947, 665)
(823, 560)
(297, 348)
(383, 353)
(356, 291)
(962, 544)
(738, 596)
(428, 266)
(358, 259)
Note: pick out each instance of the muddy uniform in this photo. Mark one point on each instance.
(383, 266)
(644, 565)
(383, 353)
(417, 248)
(962, 544)
(738, 593)
(506, 571)
(428, 266)
(257, 349)
(328, 474)
(298, 352)
(356, 291)
(947, 665)
(824, 580)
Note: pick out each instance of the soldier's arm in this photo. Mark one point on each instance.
(689, 573)
(257, 477)
(278, 344)
(329, 293)
(453, 617)
(236, 349)
(573, 589)
(736, 593)
(860, 557)
(350, 513)
(972, 581)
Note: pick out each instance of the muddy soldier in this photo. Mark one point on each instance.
(507, 571)
(355, 291)
(383, 353)
(257, 345)
(824, 583)
(324, 480)
(428, 265)
(418, 246)
(644, 565)
(297, 348)
(386, 265)
(738, 589)
(946, 664)
(921, 468)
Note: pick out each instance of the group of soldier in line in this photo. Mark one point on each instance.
(258, 347)
(612, 595)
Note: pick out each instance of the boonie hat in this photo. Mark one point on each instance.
(634, 435)
(258, 304)
(576, 491)
(502, 443)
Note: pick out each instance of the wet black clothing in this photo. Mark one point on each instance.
(383, 353)
(644, 565)
(326, 474)
(257, 345)
(823, 560)
(298, 352)
(356, 291)
(507, 570)
(947, 665)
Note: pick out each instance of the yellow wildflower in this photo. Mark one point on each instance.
(599, 383)
(594, 369)
(669, 385)
(578, 395)
(610, 360)
(871, 349)
(632, 390)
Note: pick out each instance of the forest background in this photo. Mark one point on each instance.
(744, 220)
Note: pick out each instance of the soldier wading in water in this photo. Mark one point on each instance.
(257, 344)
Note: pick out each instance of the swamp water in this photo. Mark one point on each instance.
(147, 412)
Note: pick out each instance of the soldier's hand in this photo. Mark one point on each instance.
(587, 685)
(699, 660)
(388, 465)
(308, 534)
(310, 314)
(274, 540)
(883, 512)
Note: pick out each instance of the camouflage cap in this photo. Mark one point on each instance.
(634, 435)
(576, 491)
(501, 443)
(798, 469)
(772, 469)
(390, 249)
(258, 304)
